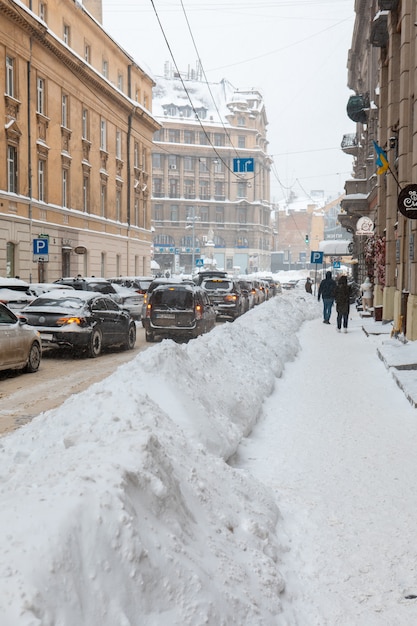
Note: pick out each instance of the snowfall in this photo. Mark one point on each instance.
(262, 474)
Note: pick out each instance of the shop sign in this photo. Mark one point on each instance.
(364, 226)
(407, 202)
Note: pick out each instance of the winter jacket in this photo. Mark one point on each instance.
(327, 287)
(342, 296)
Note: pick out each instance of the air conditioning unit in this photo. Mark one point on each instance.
(172, 167)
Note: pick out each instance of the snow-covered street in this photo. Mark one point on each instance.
(261, 475)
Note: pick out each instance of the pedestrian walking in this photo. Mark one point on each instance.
(342, 297)
(367, 293)
(326, 292)
(308, 286)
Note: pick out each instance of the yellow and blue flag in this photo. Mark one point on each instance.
(381, 161)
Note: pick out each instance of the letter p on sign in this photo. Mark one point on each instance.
(316, 257)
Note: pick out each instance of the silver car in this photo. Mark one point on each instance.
(20, 344)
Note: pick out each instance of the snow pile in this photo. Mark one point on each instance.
(119, 508)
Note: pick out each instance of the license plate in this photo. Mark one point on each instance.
(165, 316)
(47, 336)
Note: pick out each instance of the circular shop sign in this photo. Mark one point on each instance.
(80, 250)
(407, 202)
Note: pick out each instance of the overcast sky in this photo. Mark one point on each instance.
(293, 51)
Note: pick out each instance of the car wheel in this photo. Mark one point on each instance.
(96, 343)
(34, 358)
(150, 337)
(131, 337)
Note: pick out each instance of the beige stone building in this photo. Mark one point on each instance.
(211, 176)
(382, 69)
(76, 145)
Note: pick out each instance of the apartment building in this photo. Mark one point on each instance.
(211, 176)
(382, 71)
(76, 145)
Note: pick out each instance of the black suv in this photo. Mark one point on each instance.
(225, 294)
(178, 311)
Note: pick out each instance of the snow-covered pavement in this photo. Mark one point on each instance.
(337, 444)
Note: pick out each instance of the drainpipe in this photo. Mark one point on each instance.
(29, 98)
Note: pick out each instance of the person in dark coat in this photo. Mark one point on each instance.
(342, 297)
(326, 291)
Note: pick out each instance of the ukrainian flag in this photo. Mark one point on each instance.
(381, 159)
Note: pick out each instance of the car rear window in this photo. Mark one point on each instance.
(173, 298)
(66, 303)
(217, 283)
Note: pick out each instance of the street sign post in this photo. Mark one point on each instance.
(199, 262)
(316, 257)
(242, 166)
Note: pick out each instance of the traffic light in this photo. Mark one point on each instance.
(306, 239)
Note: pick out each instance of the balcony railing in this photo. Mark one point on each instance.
(349, 144)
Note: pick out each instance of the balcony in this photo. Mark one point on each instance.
(349, 144)
(356, 200)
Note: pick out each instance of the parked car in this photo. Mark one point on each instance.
(225, 295)
(138, 283)
(178, 311)
(15, 293)
(247, 290)
(101, 285)
(129, 299)
(202, 276)
(83, 320)
(153, 285)
(36, 289)
(20, 344)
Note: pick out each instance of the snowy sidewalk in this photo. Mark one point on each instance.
(337, 444)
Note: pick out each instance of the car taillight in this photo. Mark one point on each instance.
(62, 321)
(198, 312)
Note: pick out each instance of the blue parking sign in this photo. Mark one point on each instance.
(316, 256)
(40, 247)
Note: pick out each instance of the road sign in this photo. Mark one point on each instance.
(199, 262)
(316, 256)
(244, 165)
(336, 265)
(40, 248)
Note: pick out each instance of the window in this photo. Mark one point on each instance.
(158, 212)
(174, 213)
(218, 166)
(189, 188)
(103, 200)
(241, 121)
(189, 164)
(118, 205)
(12, 169)
(157, 187)
(105, 68)
(173, 188)
(172, 162)
(218, 139)
(204, 139)
(86, 194)
(173, 136)
(10, 76)
(241, 190)
(40, 96)
(10, 259)
(204, 214)
(219, 190)
(66, 34)
(136, 155)
(204, 190)
(242, 216)
(189, 136)
(202, 165)
(136, 212)
(85, 124)
(42, 11)
(87, 52)
(157, 161)
(103, 135)
(241, 141)
(65, 174)
(64, 111)
(118, 144)
(219, 215)
(120, 81)
(41, 180)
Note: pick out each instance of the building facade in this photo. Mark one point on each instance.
(76, 145)
(211, 177)
(382, 69)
